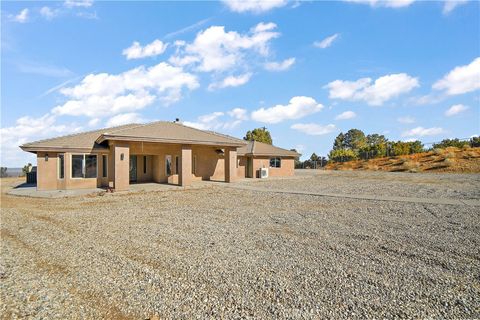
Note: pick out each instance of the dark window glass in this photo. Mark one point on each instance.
(144, 164)
(194, 165)
(176, 165)
(77, 166)
(168, 165)
(61, 166)
(275, 162)
(104, 166)
(90, 166)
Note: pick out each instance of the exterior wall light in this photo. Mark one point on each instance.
(46, 157)
(121, 156)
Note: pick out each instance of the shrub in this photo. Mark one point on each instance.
(342, 155)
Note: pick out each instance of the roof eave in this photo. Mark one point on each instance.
(105, 137)
(34, 149)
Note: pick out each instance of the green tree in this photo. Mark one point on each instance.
(26, 168)
(342, 155)
(3, 172)
(355, 140)
(475, 142)
(314, 157)
(339, 142)
(259, 134)
(416, 147)
(445, 143)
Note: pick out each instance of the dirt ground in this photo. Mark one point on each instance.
(219, 252)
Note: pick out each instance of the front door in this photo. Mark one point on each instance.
(133, 168)
(249, 167)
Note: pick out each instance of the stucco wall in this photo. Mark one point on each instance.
(286, 169)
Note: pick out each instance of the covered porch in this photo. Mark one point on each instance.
(136, 162)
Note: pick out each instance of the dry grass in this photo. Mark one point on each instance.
(438, 160)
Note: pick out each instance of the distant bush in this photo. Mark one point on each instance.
(342, 155)
(475, 142)
(445, 143)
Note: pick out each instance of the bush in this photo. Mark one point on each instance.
(475, 142)
(342, 155)
(451, 143)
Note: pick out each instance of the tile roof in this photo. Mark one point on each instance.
(255, 148)
(160, 131)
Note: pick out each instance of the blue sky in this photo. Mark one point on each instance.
(305, 70)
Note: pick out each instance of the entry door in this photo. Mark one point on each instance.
(249, 167)
(133, 168)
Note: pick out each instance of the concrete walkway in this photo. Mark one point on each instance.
(34, 193)
(362, 196)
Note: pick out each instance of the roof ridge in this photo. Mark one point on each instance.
(75, 134)
(209, 131)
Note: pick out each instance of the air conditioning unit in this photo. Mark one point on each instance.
(263, 173)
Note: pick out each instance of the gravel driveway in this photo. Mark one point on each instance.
(226, 253)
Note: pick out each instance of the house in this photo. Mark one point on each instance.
(162, 152)
(257, 155)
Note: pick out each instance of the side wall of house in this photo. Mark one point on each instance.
(286, 169)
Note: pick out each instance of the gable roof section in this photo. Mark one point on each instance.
(171, 132)
(81, 141)
(255, 148)
(161, 131)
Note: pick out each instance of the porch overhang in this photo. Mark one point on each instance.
(105, 137)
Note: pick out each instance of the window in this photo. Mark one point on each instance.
(104, 166)
(168, 165)
(84, 166)
(176, 165)
(275, 163)
(77, 166)
(144, 164)
(61, 166)
(194, 165)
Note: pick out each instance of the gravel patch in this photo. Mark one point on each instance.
(421, 185)
(227, 253)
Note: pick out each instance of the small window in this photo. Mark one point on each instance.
(275, 163)
(168, 165)
(104, 166)
(77, 166)
(61, 166)
(144, 164)
(176, 165)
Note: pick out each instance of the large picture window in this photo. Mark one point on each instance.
(275, 163)
(84, 166)
(61, 166)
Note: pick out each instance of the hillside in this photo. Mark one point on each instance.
(438, 160)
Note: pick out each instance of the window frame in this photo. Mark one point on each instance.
(276, 160)
(194, 164)
(167, 158)
(59, 166)
(104, 166)
(176, 164)
(144, 164)
(84, 169)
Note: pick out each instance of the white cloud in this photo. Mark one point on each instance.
(103, 94)
(219, 120)
(78, 3)
(231, 81)
(21, 17)
(297, 108)
(406, 120)
(280, 66)
(93, 122)
(346, 115)
(461, 79)
(327, 42)
(450, 5)
(455, 109)
(421, 132)
(255, 6)
(27, 129)
(124, 118)
(376, 93)
(384, 3)
(214, 49)
(48, 13)
(136, 51)
(314, 129)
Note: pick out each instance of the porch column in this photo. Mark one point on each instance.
(121, 164)
(230, 164)
(185, 172)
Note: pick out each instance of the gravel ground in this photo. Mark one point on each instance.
(422, 185)
(226, 253)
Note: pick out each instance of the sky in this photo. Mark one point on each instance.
(304, 70)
